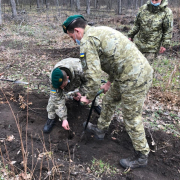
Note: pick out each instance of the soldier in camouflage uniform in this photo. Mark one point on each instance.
(153, 28)
(72, 73)
(130, 76)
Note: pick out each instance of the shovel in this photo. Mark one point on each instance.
(14, 81)
(90, 112)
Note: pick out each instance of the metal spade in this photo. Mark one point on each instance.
(14, 81)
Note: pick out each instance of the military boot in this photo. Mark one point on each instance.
(99, 134)
(136, 161)
(49, 125)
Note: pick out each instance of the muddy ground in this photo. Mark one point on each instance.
(73, 158)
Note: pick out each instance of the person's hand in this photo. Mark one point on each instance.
(77, 96)
(106, 87)
(130, 39)
(162, 49)
(84, 100)
(65, 125)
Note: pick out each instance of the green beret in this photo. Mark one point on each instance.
(57, 78)
(69, 20)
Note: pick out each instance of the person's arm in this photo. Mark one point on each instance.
(106, 87)
(57, 99)
(135, 28)
(167, 29)
(65, 124)
(91, 67)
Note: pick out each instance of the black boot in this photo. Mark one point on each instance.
(138, 160)
(49, 125)
(97, 109)
(99, 134)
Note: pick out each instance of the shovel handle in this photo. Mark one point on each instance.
(7, 80)
(99, 92)
(92, 105)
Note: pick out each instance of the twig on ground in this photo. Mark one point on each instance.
(74, 150)
(69, 160)
(171, 76)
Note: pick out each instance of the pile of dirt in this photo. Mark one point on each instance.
(73, 158)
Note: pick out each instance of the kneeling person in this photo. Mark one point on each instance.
(67, 74)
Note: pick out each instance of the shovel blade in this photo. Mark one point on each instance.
(20, 82)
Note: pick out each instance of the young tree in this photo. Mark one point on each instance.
(95, 3)
(0, 14)
(88, 6)
(38, 6)
(119, 7)
(13, 7)
(77, 5)
(47, 4)
(178, 15)
(71, 3)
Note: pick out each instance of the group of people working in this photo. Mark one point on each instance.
(128, 62)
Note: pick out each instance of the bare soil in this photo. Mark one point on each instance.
(163, 164)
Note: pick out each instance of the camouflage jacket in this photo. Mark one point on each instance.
(152, 27)
(73, 68)
(103, 48)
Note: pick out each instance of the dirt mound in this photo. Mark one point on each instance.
(163, 164)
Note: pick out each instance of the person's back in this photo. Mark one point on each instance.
(66, 75)
(118, 55)
(73, 68)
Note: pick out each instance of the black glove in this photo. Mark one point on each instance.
(97, 109)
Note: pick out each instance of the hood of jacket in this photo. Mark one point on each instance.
(161, 7)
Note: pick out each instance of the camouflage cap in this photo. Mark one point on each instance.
(69, 20)
(57, 78)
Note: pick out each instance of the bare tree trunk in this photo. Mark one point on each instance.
(88, 6)
(136, 4)
(47, 4)
(30, 3)
(95, 3)
(77, 5)
(59, 12)
(119, 7)
(38, 4)
(141, 2)
(178, 15)
(71, 3)
(109, 4)
(17, 2)
(13, 7)
(0, 14)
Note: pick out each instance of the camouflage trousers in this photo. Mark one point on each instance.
(56, 106)
(132, 102)
(150, 56)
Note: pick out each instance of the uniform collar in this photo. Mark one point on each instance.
(86, 28)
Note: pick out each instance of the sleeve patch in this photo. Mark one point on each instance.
(53, 91)
(83, 61)
(82, 54)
